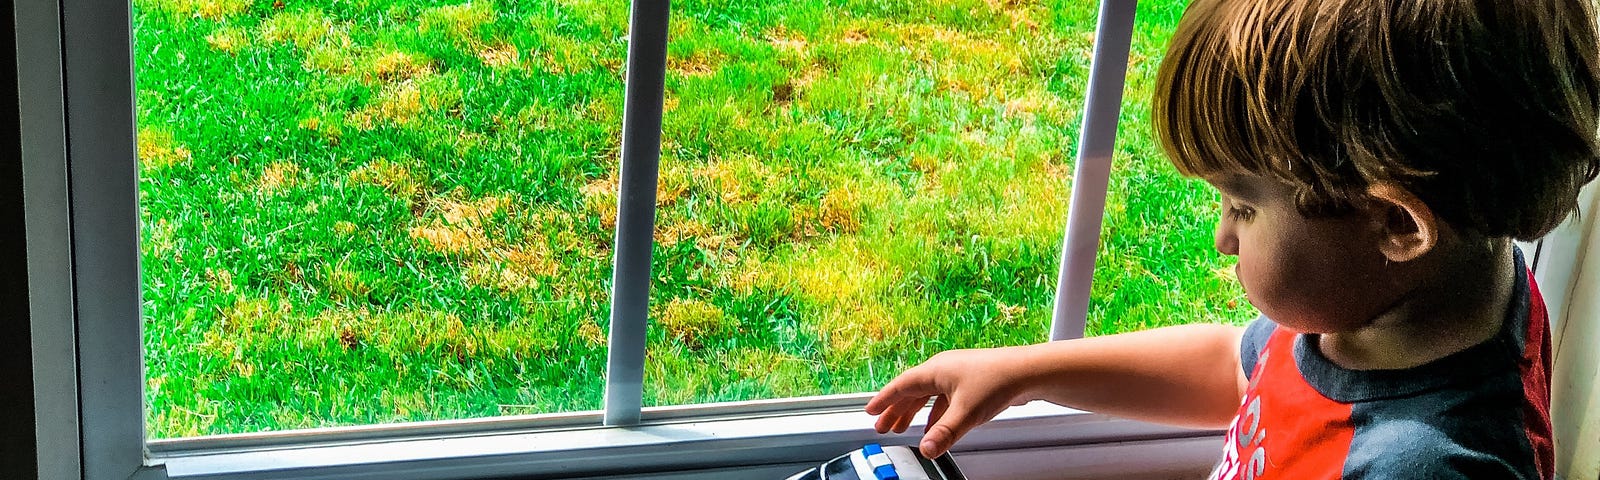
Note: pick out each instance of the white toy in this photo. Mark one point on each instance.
(877, 462)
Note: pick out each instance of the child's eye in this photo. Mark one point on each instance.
(1241, 213)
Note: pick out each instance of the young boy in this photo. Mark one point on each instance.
(1375, 158)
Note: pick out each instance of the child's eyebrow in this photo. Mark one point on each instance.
(1236, 186)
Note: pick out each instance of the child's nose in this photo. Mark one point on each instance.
(1226, 242)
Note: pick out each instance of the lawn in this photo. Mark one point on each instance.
(370, 211)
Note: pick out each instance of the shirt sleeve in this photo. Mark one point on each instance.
(1255, 339)
(1429, 457)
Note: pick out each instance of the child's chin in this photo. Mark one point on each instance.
(1309, 323)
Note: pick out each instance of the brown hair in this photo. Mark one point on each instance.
(1487, 110)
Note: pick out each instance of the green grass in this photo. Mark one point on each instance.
(366, 211)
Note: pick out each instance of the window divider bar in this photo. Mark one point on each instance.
(1092, 175)
(102, 188)
(42, 104)
(636, 202)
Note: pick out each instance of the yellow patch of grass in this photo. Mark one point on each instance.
(331, 132)
(160, 237)
(690, 320)
(788, 41)
(220, 279)
(513, 269)
(186, 417)
(277, 177)
(392, 177)
(344, 228)
(397, 104)
(854, 329)
(252, 326)
(520, 339)
(840, 211)
(673, 182)
(304, 29)
(457, 226)
(395, 66)
(534, 117)
(750, 273)
(228, 40)
(458, 212)
(1039, 193)
(1227, 273)
(602, 110)
(243, 369)
(697, 64)
(737, 180)
(451, 239)
(561, 54)
(591, 333)
(840, 271)
(695, 231)
(1010, 315)
(330, 57)
(925, 162)
(854, 37)
(600, 198)
(976, 66)
(158, 150)
(1037, 103)
(499, 55)
(460, 22)
(493, 276)
(345, 284)
(206, 9)
(1020, 12)
(533, 259)
(402, 332)
(252, 315)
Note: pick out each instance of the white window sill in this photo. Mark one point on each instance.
(747, 437)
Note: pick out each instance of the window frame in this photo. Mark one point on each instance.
(78, 134)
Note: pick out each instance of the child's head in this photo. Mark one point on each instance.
(1486, 110)
(1349, 135)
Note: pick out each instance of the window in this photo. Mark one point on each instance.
(292, 165)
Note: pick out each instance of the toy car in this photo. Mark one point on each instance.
(877, 462)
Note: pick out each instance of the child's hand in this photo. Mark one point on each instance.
(972, 387)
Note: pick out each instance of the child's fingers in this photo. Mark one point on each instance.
(906, 411)
(904, 422)
(956, 421)
(891, 414)
(939, 406)
(914, 383)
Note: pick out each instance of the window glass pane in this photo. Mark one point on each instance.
(849, 187)
(374, 211)
(393, 210)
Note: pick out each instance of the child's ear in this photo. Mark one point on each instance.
(1409, 228)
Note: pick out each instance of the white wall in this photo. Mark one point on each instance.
(1570, 279)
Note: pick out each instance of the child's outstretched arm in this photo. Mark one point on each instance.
(1185, 375)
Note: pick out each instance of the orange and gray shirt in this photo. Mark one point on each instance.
(1481, 413)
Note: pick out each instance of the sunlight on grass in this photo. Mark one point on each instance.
(392, 177)
(203, 9)
(460, 22)
(394, 66)
(278, 176)
(229, 40)
(303, 29)
(689, 321)
(156, 149)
